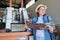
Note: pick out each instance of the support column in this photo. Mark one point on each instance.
(9, 17)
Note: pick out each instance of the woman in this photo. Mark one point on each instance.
(41, 18)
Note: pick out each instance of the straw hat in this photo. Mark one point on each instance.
(41, 5)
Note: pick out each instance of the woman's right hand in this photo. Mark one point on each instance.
(26, 26)
(28, 23)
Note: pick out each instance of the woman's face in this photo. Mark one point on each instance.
(41, 11)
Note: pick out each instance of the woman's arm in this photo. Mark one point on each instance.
(27, 26)
(51, 24)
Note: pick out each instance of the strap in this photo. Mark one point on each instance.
(48, 18)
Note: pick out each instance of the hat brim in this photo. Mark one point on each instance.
(41, 5)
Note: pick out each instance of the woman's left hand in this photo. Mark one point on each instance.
(50, 29)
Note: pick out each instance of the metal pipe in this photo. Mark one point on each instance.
(21, 3)
(10, 3)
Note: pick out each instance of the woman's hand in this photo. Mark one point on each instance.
(26, 26)
(50, 29)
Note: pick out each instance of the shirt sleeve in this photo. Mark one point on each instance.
(50, 19)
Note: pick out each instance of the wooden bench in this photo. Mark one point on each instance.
(13, 35)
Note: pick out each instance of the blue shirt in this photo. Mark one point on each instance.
(45, 20)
